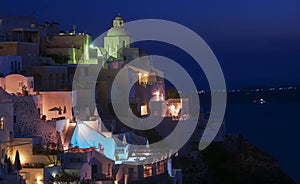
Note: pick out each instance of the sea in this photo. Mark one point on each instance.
(272, 127)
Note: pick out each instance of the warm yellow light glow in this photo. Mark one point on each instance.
(39, 179)
(143, 78)
(144, 110)
(22, 159)
(140, 77)
(172, 109)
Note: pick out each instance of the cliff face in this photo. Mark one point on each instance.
(233, 161)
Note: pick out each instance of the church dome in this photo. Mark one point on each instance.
(118, 18)
(117, 31)
(118, 28)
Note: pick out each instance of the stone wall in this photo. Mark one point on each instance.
(26, 117)
(47, 130)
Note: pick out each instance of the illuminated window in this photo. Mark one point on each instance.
(144, 110)
(2, 122)
(145, 78)
(147, 171)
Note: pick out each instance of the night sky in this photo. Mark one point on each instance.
(257, 42)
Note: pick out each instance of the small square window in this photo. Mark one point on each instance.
(20, 84)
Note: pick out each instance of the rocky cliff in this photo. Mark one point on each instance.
(233, 161)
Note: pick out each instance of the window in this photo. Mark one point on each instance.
(2, 122)
(57, 81)
(63, 80)
(51, 81)
(20, 84)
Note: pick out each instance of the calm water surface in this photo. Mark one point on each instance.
(272, 127)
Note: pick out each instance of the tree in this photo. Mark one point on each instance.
(18, 166)
(17, 161)
(5, 159)
(9, 165)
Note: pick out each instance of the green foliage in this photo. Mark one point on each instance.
(53, 159)
(39, 165)
(63, 178)
(9, 165)
(172, 93)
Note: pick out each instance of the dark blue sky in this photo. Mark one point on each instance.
(256, 42)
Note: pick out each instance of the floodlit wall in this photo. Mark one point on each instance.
(33, 175)
(14, 83)
(24, 146)
(39, 175)
(60, 99)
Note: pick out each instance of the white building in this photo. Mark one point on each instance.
(16, 83)
(117, 37)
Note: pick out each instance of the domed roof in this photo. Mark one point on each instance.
(118, 18)
(118, 28)
(117, 31)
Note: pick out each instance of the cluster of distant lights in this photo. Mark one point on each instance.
(252, 90)
(70, 33)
